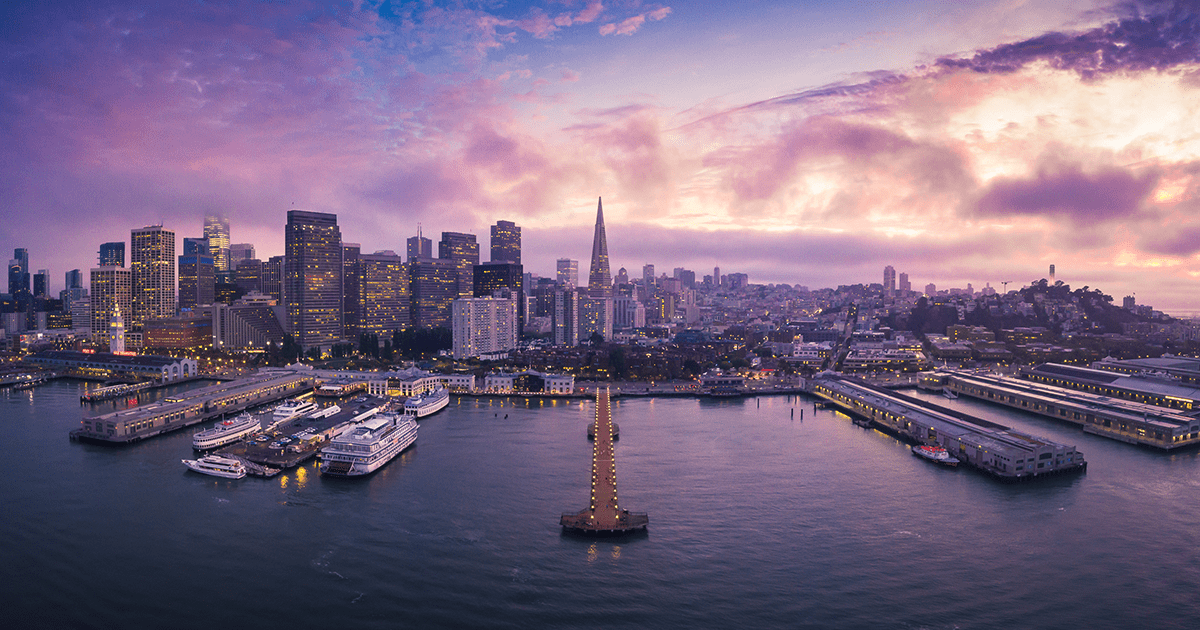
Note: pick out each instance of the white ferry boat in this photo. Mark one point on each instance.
(367, 447)
(935, 454)
(292, 409)
(427, 403)
(217, 466)
(226, 432)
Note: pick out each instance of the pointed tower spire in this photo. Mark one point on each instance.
(600, 277)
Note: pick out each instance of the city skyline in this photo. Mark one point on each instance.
(976, 142)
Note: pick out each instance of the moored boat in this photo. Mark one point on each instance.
(292, 409)
(428, 403)
(935, 454)
(217, 466)
(367, 447)
(226, 432)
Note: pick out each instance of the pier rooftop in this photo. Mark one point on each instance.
(1120, 419)
(995, 449)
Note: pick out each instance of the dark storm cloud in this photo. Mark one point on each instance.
(1108, 194)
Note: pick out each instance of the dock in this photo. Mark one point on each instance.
(604, 516)
(1129, 421)
(190, 408)
(301, 439)
(999, 451)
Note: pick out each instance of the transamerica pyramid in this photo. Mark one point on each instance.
(600, 278)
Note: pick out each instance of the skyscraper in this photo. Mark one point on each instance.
(889, 281)
(351, 298)
(239, 252)
(505, 279)
(41, 284)
(648, 277)
(247, 275)
(383, 289)
(599, 275)
(216, 230)
(433, 287)
(197, 274)
(272, 278)
(313, 278)
(905, 285)
(462, 250)
(568, 273)
(18, 278)
(152, 262)
(419, 247)
(112, 254)
(111, 289)
(506, 242)
(565, 316)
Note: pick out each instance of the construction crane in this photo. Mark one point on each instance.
(1005, 283)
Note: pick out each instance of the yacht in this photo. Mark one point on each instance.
(427, 403)
(367, 447)
(293, 408)
(226, 432)
(217, 466)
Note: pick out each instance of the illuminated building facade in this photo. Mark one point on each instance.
(179, 333)
(112, 254)
(568, 273)
(216, 230)
(564, 317)
(506, 242)
(248, 275)
(383, 288)
(483, 326)
(272, 278)
(462, 250)
(433, 287)
(312, 284)
(502, 279)
(111, 290)
(351, 295)
(152, 262)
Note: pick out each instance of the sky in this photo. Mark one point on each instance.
(807, 143)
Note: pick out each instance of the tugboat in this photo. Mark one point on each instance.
(935, 454)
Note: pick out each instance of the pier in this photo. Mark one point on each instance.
(300, 439)
(995, 449)
(604, 516)
(190, 408)
(1119, 419)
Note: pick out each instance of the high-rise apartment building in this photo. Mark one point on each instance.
(905, 285)
(930, 289)
(111, 289)
(648, 277)
(112, 254)
(433, 287)
(74, 288)
(889, 281)
(383, 287)
(216, 230)
(419, 247)
(484, 325)
(312, 284)
(506, 242)
(462, 250)
(152, 262)
(568, 273)
(351, 298)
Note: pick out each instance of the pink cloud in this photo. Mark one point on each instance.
(630, 25)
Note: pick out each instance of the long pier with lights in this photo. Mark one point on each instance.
(604, 516)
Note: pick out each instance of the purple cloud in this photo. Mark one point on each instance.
(1108, 194)
(1167, 35)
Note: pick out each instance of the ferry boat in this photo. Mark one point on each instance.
(367, 447)
(217, 466)
(292, 409)
(226, 432)
(427, 403)
(935, 454)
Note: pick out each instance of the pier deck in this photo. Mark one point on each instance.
(604, 515)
